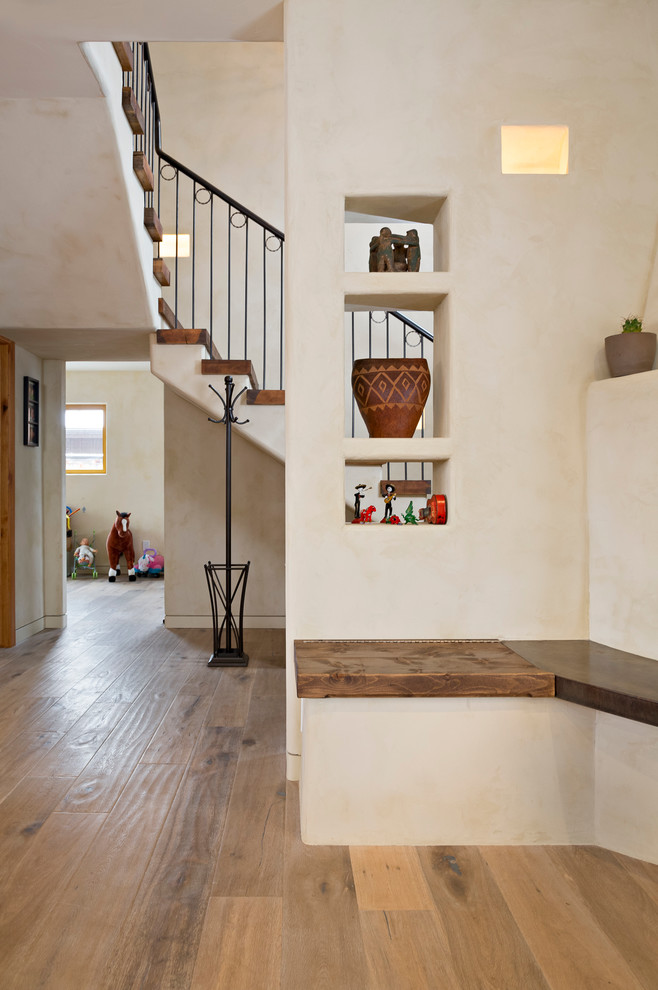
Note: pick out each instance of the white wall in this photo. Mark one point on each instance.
(392, 99)
(195, 513)
(623, 512)
(135, 459)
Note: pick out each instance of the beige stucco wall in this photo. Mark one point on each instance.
(623, 512)
(135, 459)
(397, 99)
(195, 508)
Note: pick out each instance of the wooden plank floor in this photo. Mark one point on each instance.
(148, 839)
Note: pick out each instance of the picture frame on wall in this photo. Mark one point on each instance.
(30, 412)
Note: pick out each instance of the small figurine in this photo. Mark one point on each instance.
(359, 494)
(413, 251)
(374, 248)
(409, 515)
(389, 498)
(367, 514)
(385, 249)
(395, 521)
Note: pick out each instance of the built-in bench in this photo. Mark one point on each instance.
(476, 742)
(580, 671)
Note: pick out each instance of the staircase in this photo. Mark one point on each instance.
(223, 272)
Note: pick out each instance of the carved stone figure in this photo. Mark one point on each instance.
(394, 252)
(413, 251)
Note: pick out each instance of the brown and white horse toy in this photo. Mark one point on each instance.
(120, 541)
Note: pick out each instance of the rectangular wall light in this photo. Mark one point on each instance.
(168, 246)
(534, 149)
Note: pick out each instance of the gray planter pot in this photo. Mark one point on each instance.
(629, 353)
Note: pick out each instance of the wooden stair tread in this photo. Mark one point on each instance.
(215, 367)
(182, 335)
(167, 314)
(143, 171)
(152, 223)
(161, 272)
(124, 54)
(266, 397)
(416, 668)
(132, 110)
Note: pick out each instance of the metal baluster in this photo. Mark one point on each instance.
(281, 318)
(194, 250)
(176, 258)
(212, 245)
(246, 280)
(387, 335)
(264, 310)
(228, 293)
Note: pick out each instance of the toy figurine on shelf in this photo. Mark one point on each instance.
(409, 515)
(395, 521)
(389, 498)
(436, 510)
(366, 515)
(359, 495)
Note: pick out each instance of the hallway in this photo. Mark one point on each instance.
(148, 839)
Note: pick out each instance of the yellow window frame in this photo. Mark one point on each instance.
(91, 405)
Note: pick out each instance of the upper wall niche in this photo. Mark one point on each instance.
(365, 215)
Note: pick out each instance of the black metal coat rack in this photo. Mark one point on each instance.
(227, 581)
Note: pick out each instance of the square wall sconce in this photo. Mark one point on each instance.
(534, 149)
(168, 246)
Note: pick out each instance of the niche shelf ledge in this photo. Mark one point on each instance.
(380, 450)
(395, 290)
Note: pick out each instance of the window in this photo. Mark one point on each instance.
(534, 150)
(85, 439)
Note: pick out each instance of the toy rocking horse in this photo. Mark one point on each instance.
(120, 541)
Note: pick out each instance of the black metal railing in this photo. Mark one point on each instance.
(231, 281)
(388, 334)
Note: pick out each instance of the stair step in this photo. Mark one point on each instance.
(185, 336)
(266, 397)
(124, 54)
(161, 272)
(132, 110)
(152, 223)
(142, 170)
(167, 314)
(407, 489)
(214, 367)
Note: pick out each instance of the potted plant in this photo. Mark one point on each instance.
(631, 350)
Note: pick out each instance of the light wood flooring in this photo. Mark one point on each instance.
(148, 840)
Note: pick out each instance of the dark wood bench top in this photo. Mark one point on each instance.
(597, 676)
(416, 668)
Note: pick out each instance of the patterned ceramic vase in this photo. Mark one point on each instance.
(391, 394)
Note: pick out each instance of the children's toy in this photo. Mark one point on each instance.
(409, 515)
(150, 564)
(85, 557)
(389, 498)
(436, 510)
(120, 542)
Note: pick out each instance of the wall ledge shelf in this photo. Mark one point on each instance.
(423, 291)
(380, 450)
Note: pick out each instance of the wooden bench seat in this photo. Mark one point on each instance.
(597, 676)
(579, 671)
(416, 668)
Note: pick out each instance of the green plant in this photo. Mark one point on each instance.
(632, 324)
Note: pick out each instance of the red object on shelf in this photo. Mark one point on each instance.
(436, 510)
